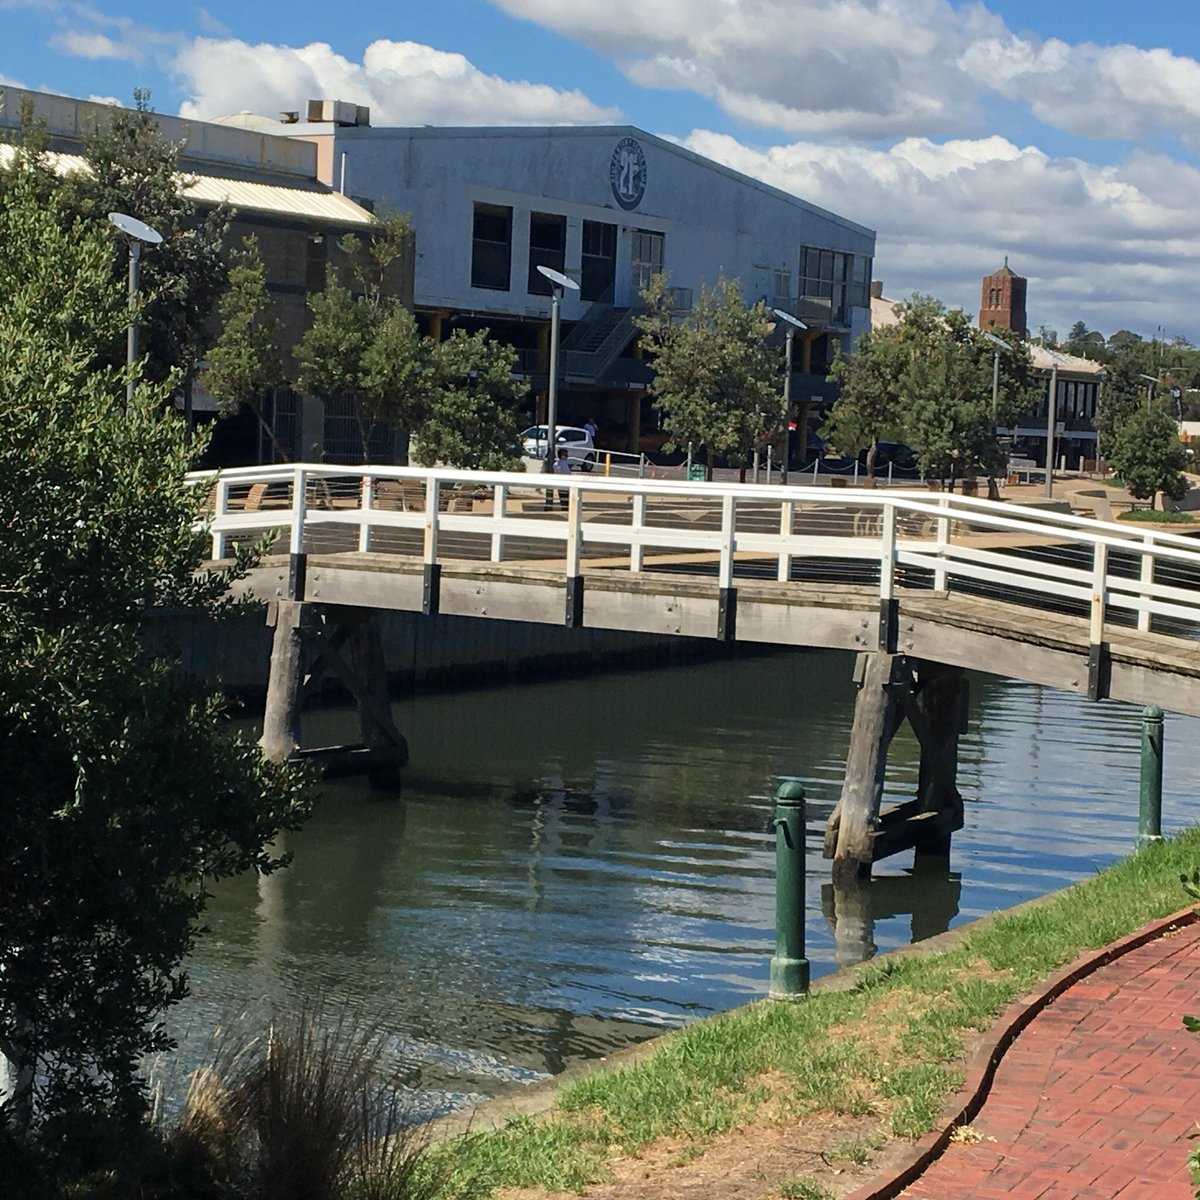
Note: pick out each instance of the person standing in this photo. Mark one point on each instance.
(562, 466)
(592, 428)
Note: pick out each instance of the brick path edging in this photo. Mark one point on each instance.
(965, 1104)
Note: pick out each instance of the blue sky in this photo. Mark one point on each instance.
(1063, 135)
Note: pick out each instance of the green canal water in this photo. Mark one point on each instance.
(578, 864)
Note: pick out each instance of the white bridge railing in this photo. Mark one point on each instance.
(894, 540)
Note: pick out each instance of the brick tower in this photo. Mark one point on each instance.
(1002, 300)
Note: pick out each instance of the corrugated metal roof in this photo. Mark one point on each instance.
(315, 204)
(323, 206)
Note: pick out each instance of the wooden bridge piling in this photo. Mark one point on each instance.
(319, 633)
(932, 697)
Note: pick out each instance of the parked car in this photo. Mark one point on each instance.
(581, 450)
(897, 454)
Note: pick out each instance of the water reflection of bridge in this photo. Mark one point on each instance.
(922, 586)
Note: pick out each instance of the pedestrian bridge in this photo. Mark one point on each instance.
(1103, 609)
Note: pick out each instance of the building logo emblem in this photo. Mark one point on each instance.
(627, 173)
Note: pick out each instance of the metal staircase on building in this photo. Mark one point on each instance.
(596, 341)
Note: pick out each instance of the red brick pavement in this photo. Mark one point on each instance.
(1097, 1097)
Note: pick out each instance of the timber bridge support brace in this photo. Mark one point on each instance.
(311, 641)
(933, 699)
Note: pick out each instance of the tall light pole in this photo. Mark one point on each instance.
(792, 326)
(136, 232)
(999, 346)
(1051, 421)
(559, 283)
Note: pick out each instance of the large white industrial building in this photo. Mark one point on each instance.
(609, 206)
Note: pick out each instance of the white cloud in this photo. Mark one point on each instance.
(82, 44)
(877, 68)
(404, 83)
(1111, 245)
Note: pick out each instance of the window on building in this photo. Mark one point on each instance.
(842, 279)
(491, 247)
(783, 285)
(647, 258)
(547, 248)
(343, 441)
(281, 411)
(599, 261)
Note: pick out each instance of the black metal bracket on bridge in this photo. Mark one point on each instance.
(297, 576)
(431, 591)
(727, 614)
(889, 625)
(1099, 671)
(573, 617)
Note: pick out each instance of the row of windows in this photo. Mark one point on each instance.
(1075, 400)
(491, 252)
(842, 279)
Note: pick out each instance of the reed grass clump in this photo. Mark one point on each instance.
(306, 1110)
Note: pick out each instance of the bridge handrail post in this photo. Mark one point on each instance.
(499, 499)
(728, 541)
(1150, 794)
(789, 966)
(220, 509)
(941, 543)
(366, 503)
(638, 523)
(1147, 581)
(433, 495)
(299, 510)
(887, 553)
(1099, 592)
(574, 531)
(786, 512)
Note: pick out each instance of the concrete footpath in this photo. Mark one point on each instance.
(1096, 1097)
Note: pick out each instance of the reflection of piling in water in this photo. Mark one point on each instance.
(853, 907)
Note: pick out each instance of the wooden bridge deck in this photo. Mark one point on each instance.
(959, 629)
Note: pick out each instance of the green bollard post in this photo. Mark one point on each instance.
(1150, 801)
(789, 967)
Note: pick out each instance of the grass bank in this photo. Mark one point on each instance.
(880, 1059)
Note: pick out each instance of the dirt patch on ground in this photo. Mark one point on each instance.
(744, 1164)
(835, 1154)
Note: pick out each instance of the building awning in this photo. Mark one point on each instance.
(318, 204)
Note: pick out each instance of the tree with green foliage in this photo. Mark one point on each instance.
(1147, 455)
(1085, 343)
(125, 793)
(1122, 394)
(363, 346)
(244, 363)
(928, 380)
(868, 407)
(472, 414)
(134, 169)
(715, 382)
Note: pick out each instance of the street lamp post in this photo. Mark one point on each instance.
(1051, 420)
(792, 325)
(559, 283)
(136, 232)
(999, 346)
